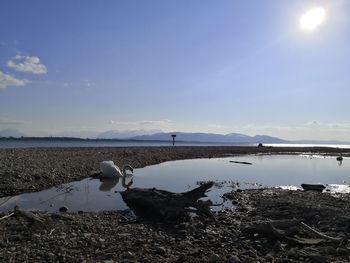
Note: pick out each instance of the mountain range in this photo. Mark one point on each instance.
(210, 137)
(154, 135)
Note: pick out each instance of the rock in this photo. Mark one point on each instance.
(214, 258)
(161, 251)
(234, 259)
(63, 209)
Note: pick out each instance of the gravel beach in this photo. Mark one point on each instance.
(236, 236)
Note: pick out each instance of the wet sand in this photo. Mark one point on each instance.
(111, 237)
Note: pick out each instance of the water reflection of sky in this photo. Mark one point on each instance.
(179, 176)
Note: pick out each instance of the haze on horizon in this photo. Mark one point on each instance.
(271, 67)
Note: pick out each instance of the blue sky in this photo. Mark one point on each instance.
(83, 67)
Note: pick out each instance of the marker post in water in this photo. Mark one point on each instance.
(173, 135)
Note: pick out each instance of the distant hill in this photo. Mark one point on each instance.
(143, 135)
(210, 137)
(11, 133)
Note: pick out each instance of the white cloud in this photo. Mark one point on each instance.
(7, 80)
(27, 64)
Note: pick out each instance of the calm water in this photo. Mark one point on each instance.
(179, 176)
(63, 143)
(70, 143)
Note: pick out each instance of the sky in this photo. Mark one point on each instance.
(245, 66)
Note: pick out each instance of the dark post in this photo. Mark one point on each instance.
(173, 135)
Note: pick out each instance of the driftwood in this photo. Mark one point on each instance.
(248, 163)
(168, 206)
(313, 187)
(291, 230)
(319, 234)
(32, 218)
(4, 217)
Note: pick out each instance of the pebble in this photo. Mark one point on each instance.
(161, 251)
(214, 258)
(234, 259)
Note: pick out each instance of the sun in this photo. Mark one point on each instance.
(312, 18)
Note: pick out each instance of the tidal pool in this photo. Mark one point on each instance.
(179, 176)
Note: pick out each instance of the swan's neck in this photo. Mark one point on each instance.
(126, 167)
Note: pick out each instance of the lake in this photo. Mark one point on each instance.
(179, 176)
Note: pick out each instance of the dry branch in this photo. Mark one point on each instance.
(319, 234)
(291, 230)
(4, 217)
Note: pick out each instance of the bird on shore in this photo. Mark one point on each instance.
(109, 170)
(340, 158)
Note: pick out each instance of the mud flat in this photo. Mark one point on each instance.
(266, 225)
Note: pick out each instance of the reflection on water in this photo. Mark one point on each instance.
(108, 183)
(180, 176)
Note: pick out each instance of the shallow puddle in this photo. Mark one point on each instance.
(179, 176)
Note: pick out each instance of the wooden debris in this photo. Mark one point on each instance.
(28, 215)
(319, 234)
(248, 163)
(168, 206)
(313, 187)
(4, 217)
(291, 230)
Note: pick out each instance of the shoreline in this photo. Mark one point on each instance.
(34, 169)
(110, 237)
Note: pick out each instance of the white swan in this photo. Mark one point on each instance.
(109, 170)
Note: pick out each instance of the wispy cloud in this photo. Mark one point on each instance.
(6, 121)
(28, 64)
(143, 124)
(218, 126)
(88, 83)
(7, 80)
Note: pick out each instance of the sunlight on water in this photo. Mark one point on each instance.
(289, 171)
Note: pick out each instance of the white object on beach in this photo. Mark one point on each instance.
(110, 170)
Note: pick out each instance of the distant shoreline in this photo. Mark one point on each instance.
(51, 142)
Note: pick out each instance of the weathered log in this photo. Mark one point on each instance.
(168, 206)
(32, 218)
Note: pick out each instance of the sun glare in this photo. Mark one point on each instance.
(312, 18)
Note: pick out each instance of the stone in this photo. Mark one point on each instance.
(63, 209)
